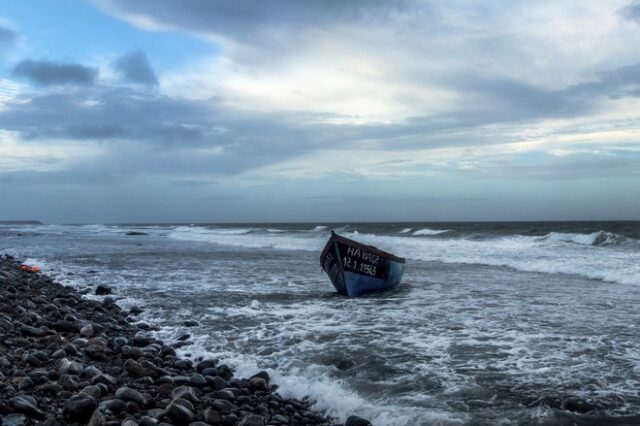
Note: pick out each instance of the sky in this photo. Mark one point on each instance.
(115, 111)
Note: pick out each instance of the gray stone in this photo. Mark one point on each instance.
(223, 406)
(357, 421)
(92, 391)
(179, 414)
(25, 383)
(68, 382)
(280, 419)
(128, 394)
(211, 416)
(184, 403)
(116, 406)
(197, 380)
(87, 331)
(147, 421)
(258, 384)
(79, 408)
(97, 419)
(252, 420)
(185, 392)
(15, 419)
(26, 405)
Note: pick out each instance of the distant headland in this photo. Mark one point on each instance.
(20, 222)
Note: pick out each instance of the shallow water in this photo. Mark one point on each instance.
(493, 323)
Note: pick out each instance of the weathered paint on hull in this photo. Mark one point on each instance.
(356, 269)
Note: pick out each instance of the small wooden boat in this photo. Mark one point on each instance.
(356, 269)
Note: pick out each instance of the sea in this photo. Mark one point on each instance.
(493, 324)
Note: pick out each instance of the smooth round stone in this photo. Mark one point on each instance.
(15, 419)
(223, 406)
(128, 394)
(211, 416)
(198, 380)
(185, 392)
(252, 420)
(116, 406)
(147, 421)
(79, 407)
(184, 403)
(357, 421)
(179, 414)
(26, 405)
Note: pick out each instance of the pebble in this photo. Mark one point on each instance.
(79, 408)
(88, 362)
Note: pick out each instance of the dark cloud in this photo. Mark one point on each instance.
(631, 11)
(134, 67)
(51, 73)
(7, 35)
(250, 20)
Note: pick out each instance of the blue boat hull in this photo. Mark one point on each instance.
(356, 269)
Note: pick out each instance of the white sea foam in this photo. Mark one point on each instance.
(245, 238)
(427, 231)
(319, 228)
(406, 230)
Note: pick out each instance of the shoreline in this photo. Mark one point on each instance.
(67, 359)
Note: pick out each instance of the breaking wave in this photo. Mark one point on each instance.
(427, 231)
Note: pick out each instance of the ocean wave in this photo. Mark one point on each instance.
(406, 230)
(428, 231)
(319, 228)
(599, 238)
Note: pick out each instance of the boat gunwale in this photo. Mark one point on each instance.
(361, 246)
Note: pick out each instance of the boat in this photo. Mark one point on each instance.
(356, 269)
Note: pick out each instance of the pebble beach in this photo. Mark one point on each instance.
(67, 359)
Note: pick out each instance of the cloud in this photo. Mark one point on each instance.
(7, 35)
(134, 67)
(249, 20)
(631, 11)
(54, 73)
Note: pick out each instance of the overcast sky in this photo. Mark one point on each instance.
(325, 110)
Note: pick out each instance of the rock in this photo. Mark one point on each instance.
(116, 406)
(357, 421)
(105, 379)
(136, 310)
(87, 331)
(185, 392)
(165, 390)
(15, 419)
(207, 363)
(129, 422)
(197, 380)
(26, 405)
(92, 391)
(179, 414)
(147, 421)
(190, 323)
(211, 416)
(252, 420)
(223, 406)
(135, 233)
(258, 384)
(230, 420)
(128, 394)
(97, 419)
(218, 382)
(184, 403)
(79, 408)
(68, 382)
(103, 290)
(25, 383)
(280, 419)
